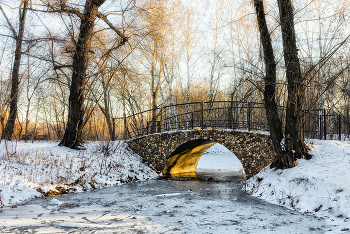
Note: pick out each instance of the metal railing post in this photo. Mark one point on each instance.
(202, 115)
(125, 128)
(231, 116)
(192, 120)
(339, 126)
(161, 119)
(324, 124)
(154, 116)
(347, 123)
(320, 114)
(249, 115)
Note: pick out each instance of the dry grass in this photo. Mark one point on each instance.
(52, 172)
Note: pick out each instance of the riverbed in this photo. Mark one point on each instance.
(158, 206)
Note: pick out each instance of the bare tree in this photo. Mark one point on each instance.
(4, 87)
(294, 138)
(189, 53)
(294, 146)
(10, 124)
(274, 122)
(72, 135)
(161, 48)
(32, 89)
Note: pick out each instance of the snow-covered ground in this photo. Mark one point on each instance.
(319, 186)
(27, 168)
(218, 158)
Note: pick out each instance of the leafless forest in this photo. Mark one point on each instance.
(84, 65)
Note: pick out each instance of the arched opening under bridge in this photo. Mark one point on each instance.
(204, 159)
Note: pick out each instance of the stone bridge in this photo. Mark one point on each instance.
(179, 152)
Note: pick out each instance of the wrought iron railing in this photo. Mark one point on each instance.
(248, 116)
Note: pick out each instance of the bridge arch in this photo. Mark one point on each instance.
(185, 157)
(253, 150)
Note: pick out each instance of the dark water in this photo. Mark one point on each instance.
(182, 205)
(210, 175)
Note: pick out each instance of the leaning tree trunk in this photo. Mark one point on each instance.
(10, 124)
(294, 138)
(274, 122)
(73, 133)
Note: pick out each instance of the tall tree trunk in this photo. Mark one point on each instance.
(188, 91)
(2, 124)
(164, 105)
(171, 97)
(154, 111)
(154, 91)
(294, 138)
(274, 122)
(27, 122)
(107, 112)
(73, 133)
(10, 124)
(109, 121)
(20, 130)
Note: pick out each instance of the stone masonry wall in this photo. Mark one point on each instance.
(255, 151)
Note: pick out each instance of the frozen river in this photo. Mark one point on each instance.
(212, 204)
(157, 206)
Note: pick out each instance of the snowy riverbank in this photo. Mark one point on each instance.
(320, 186)
(29, 170)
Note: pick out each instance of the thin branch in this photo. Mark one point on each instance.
(329, 85)
(323, 61)
(9, 23)
(55, 67)
(70, 10)
(66, 9)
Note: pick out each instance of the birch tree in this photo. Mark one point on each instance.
(161, 49)
(191, 59)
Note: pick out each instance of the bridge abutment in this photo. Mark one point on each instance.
(255, 151)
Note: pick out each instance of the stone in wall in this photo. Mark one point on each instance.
(253, 150)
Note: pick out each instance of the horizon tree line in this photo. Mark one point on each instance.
(139, 55)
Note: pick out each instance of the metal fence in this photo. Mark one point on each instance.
(248, 116)
(320, 124)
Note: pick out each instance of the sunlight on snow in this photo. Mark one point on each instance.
(219, 158)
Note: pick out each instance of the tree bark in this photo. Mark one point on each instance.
(107, 112)
(27, 122)
(2, 119)
(274, 122)
(154, 91)
(73, 132)
(10, 124)
(294, 138)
